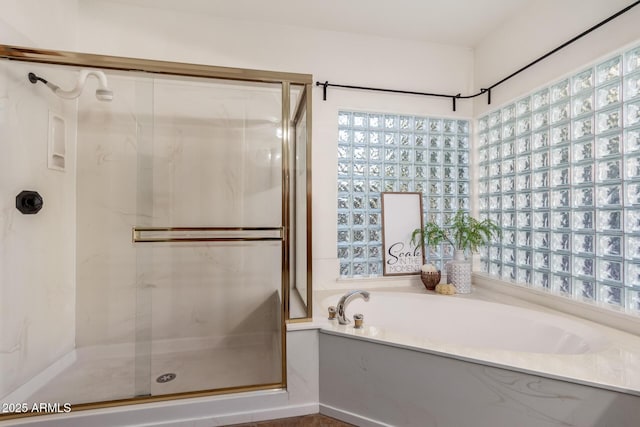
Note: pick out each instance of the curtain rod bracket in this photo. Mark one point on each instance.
(453, 98)
(488, 92)
(324, 89)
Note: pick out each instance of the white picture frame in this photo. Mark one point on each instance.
(401, 214)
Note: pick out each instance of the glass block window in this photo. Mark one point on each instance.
(560, 171)
(387, 152)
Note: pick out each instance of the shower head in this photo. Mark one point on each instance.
(103, 93)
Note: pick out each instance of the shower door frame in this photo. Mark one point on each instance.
(67, 58)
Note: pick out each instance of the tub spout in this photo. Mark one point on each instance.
(345, 300)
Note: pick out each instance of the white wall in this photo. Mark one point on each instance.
(116, 29)
(37, 259)
(46, 24)
(540, 27)
(37, 262)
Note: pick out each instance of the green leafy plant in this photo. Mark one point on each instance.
(463, 232)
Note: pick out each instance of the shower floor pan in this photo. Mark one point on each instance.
(100, 374)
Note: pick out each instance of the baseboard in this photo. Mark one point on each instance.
(208, 411)
(268, 414)
(350, 417)
(242, 417)
(22, 393)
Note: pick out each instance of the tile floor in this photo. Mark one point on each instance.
(315, 420)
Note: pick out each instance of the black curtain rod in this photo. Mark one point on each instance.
(487, 90)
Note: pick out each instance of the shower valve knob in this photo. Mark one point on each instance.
(29, 202)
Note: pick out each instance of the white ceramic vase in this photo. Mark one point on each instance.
(459, 272)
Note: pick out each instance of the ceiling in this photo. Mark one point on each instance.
(455, 22)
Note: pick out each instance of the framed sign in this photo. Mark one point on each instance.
(401, 214)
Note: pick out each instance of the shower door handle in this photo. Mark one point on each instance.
(205, 234)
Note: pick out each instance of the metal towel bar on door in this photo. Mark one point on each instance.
(205, 234)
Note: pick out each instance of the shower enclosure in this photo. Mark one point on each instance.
(173, 239)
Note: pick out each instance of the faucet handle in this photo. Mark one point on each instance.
(332, 312)
(358, 319)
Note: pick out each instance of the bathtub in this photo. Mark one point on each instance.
(504, 364)
(433, 319)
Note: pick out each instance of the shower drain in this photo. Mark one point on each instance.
(165, 378)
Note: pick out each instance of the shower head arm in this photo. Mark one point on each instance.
(77, 90)
(82, 80)
(35, 79)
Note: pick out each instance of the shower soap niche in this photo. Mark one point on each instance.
(57, 142)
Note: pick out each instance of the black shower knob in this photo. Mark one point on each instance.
(29, 202)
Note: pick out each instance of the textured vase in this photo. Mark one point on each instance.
(430, 279)
(459, 272)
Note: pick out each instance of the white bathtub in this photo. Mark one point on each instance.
(471, 323)
(433, 360)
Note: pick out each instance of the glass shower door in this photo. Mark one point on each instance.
(210, 243)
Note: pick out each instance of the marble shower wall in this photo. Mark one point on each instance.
(169, 153)
(37, 255)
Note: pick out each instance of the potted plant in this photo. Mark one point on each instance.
(464, 233)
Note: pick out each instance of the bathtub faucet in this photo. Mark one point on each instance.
(345, 300)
